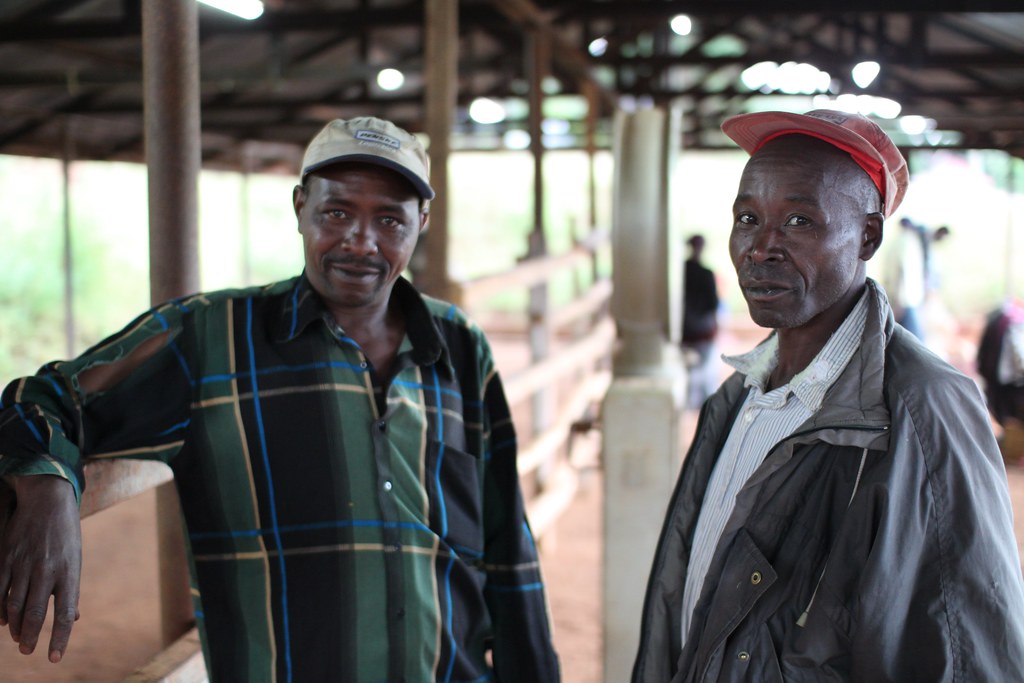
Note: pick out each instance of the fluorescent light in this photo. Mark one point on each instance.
(485, 110)
(390, 79)
(864, 73)
(913, 124)
(516, 139)
(246, 9)
(598, 46)
(681, 25)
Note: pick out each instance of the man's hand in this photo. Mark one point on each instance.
(40, 556)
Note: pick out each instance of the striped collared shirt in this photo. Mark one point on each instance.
(764, 419)
(336, 533)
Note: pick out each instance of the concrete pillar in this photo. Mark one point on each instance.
(170, 61)
(643, 409)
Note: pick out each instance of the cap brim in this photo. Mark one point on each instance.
(749, 131)
(424, 190)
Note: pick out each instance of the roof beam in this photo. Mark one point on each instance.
(648, 10)
(563, 53)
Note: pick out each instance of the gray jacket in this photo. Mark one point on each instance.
(885, 517)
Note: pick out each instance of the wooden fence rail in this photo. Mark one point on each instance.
(578, 367)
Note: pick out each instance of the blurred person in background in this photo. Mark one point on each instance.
(700, 325)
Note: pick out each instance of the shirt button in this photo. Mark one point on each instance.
(755, 578)
(387, 485)
(382, 426)
(363, 365)
(743, 656)
(400, 612)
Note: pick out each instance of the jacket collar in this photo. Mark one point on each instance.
(303, 307)
(858, 395)
(811, 384)
(856, 398)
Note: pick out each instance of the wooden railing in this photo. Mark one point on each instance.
(570, 369)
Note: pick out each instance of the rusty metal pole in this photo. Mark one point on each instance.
(441, 31)
(170, 60)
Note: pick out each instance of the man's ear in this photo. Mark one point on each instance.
(424, 219)
(871, 235)
(298, 199)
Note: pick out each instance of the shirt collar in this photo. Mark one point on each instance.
(303, 307)
(810, 384)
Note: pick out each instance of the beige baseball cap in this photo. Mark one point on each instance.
(374, 141)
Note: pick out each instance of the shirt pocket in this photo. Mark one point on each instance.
(453, 486)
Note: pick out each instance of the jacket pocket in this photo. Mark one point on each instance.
(453, 485)
(820, 651)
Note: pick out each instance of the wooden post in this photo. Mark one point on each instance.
(170, 60)
(441, 34)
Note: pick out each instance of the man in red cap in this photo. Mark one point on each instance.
(341, 445)
(843, 513)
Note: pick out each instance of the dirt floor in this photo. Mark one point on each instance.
(119, 630)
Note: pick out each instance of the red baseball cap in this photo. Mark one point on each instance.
(857, 135)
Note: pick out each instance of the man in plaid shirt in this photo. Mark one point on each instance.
(341, 444)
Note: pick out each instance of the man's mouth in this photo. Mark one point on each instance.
(764, 291)
(354, 270)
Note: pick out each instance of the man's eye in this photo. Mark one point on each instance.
(745, 219)
(336, 213)
(391, 222)
(798, 221)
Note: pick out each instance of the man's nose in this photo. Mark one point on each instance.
(360, 238)
(765, 245)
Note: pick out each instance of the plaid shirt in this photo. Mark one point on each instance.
(340, 529)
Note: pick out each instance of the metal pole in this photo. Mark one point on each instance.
(1011, 181)
(170, 60)
(593, 103)
(539, 66)
(245, 215)
(69, 300)
(441, 31)
(539, 51)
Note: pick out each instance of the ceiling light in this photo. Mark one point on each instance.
(486, 110)
(390, 79)
(865, 73)
(554, 126)
(915, 125)
(681, 25)
(868, 105)
(516, 139)
(597, 47)
(246, 9)
(756, 76)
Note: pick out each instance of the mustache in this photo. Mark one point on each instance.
(355, 261)
(761, 271)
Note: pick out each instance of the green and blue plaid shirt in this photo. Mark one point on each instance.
(340, 529)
